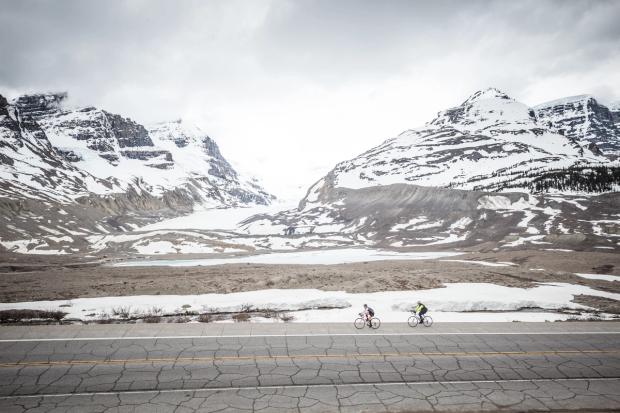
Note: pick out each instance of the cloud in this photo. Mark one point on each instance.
(289, 88)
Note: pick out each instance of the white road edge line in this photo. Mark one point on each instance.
(534, 333)
(295, 386)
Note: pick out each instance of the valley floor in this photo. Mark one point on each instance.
(593, 274)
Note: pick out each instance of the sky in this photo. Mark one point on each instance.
(290, 88)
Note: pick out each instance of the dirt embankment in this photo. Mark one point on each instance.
(57, 281)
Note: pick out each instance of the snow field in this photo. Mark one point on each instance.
(604, 277)
(476, 302)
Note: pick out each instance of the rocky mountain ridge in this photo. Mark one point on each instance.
(62, 168)
(585, 120)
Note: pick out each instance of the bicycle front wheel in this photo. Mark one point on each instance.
(359, 323)
(413, 321)
(428, 321)
(375, 323)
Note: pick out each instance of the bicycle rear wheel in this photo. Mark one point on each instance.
(375, 323)
(359, 323)
(413, 321)
(428, 321)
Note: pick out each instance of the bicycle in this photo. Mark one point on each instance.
(360, 322)
(414, 320)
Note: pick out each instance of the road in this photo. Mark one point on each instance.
(310, 367)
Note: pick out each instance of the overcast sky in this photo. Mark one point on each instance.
(290, 88)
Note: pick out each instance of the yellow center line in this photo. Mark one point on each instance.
(305, 356)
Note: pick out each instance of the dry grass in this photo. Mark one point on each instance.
(152, 319)
(7, 316)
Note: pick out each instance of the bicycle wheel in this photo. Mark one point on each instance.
(413, 321)
(375, 323)
(359, 323)
(428, 321)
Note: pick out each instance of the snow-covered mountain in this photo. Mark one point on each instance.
(438, 184)
(62, 166)
(113, 154)
(489, 142)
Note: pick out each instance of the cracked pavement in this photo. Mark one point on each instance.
(210, 368)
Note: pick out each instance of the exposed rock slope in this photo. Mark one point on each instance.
(585, 120)
(66, 173)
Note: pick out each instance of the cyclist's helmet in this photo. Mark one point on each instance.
(365, 306)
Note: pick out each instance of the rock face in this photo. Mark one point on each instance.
(439, 184)
(76, 133)
(61, 167)
(583, 119)
(614, 108)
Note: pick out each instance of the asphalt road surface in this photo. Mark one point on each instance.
(310, 367)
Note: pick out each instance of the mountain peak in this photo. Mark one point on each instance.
(49, 97)
(38, 103)
(485, 108)
(489, 93)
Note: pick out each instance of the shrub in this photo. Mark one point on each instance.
(121, 311)
(270, 313)
(18, 315)
(150, 318)
(104, 318)
(286, 317)
(204, 318)
(182, 319)
(241, 317)
(246, 308)
(55, 315)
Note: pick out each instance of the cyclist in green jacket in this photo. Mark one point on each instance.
(421, 310)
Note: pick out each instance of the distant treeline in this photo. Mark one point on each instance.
(582, 178)
(577, 178)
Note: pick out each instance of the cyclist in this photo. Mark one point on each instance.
(368, 314)
(421, 310)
